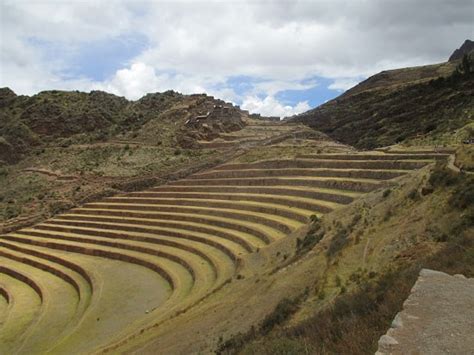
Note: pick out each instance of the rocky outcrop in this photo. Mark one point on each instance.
(397, 105)
(6, 96)
(467, 47)
(62, 118)
(437, 317)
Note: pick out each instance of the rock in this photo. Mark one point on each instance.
(437, 317)
(466, 47)
(397, 321)
(6, 96)
(386, 343)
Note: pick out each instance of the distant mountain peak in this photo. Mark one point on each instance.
(466, 47)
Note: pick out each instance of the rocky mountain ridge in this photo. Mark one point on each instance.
(466, 48)
(399, 105)
(52, 118)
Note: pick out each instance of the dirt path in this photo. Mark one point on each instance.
(51, 174)
(453, 167)
(366, 248)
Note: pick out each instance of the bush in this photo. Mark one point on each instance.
(277, 346)
(386, 193)
(338, 242)
(309, 241)
(282, 312)
(12, 211)
(314, 236)
(413, 194)
(357, 217)
(56, 207)
(442, 176)
(3, 171)
(463, 195)
(388, 215)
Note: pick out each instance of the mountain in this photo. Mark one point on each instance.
(61, 118)
(394, 106)
(179, 224)
(61, 148)
(466, 48)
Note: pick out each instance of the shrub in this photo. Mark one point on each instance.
(463, 195)
(386, 193)
(401, 138)
(277, 346)
(388, 215)
(413, 194)
(284, 309)
(3, 171)
(357, 217)
(338, 242)
(430, 127)
(65, 143)
(59, 206)
(441, 176)
(12, 211)
(309, 241)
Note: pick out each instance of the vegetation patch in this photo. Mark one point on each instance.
(342, 236)
(313, 237)
(282, 312)
(367, 301)
(399, 105)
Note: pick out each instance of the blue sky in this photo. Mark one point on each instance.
(273, 57)
(96, 60)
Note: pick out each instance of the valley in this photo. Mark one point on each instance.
(183, 224)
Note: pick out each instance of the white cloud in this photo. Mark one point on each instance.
(196, 46)
(273, 87)
(135, 81)
(343, 84)
(269, 106)
(140, 79)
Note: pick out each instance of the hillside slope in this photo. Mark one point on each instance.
(343, 294)
(178, 224)
(62, 118)
(397, 105)
(185, 246)
(59, 149)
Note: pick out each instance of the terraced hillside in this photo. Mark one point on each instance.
(109, 269)
(255, 132)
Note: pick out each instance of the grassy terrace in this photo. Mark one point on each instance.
(155, 254)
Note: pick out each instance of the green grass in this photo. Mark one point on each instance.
(54, 316)
(21, 314)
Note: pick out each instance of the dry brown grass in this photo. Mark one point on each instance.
(370, 297)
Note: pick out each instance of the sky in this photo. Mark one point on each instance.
(277, 58)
